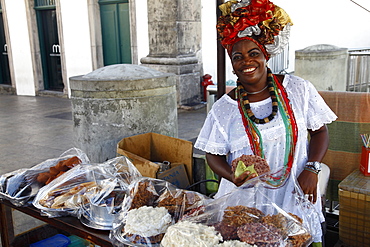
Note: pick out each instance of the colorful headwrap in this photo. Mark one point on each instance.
(260, 21)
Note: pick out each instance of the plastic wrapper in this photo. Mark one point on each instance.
(102, 208)
(22, 185)
(151, 207)
(241, 217)
(78, 190)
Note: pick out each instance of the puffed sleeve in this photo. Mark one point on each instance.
(318, 112)
(213, 137)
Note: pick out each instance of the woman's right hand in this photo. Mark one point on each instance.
(219, 165)
(240, 180)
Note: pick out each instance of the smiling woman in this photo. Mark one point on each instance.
(267, 115)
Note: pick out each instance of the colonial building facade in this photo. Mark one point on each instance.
(45, 42)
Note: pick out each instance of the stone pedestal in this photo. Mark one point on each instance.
(118, 101)
(174, 41)
(323, 65)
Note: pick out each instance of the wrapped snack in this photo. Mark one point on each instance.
(57, 170)
(186, 233)
(146, 225)
(83, 187)
(160, 193)
(252, 163)
(181, 203)
(251, 218)
(103, 206)
(21, 186)
(149, 195)
(64, 195)
(144, 193)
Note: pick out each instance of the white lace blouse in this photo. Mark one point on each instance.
(223, 133)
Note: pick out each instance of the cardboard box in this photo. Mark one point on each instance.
(365, 161)
(176, 176)
(145, 149)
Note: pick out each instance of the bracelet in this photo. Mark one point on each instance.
(308, 168)
(314, 166)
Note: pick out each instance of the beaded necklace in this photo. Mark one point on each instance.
(280, 102)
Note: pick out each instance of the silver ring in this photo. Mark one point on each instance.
(308, 195)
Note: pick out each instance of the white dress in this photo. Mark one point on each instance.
(223, 133)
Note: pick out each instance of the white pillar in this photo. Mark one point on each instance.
(74, 36)
(19, 47)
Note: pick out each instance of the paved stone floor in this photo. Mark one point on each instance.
(33, 129)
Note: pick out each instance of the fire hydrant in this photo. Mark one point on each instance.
(206, 82)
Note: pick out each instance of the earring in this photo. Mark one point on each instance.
(233, 72)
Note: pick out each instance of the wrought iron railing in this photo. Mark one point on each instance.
(358, 70)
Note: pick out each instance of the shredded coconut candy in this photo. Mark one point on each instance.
(235, 243)
(190, 234)
(147, 221)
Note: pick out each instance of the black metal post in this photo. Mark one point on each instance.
(221, 75)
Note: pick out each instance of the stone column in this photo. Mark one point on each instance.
(118, 101)
(324, 65)
(174, 40)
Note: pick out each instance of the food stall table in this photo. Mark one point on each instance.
(68, 224)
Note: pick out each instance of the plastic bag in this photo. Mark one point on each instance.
(99, 184)
(151, 207)
(102, 208)
(245, 217)
(20, 186)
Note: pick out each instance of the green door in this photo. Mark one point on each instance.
(49, 45)
(115, 25)
(4, 61)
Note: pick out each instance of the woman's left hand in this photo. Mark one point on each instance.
(319, 142)
(308, 182)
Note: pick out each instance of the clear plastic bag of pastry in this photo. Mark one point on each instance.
(102, 207)
(20, 186)
(244, 217)
(151, 207)
(84, 184)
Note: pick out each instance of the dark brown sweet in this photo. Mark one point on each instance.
(71, 162)
(144, 194)
(240, 215)
(57, 170)
(53, 171)
(228, 232)
(260, 164)
(299, 240)
(260, 234)
(137, 239)
(284, 223)
(176, 201)
(43, 177)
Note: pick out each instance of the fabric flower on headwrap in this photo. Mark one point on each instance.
(260, 21)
